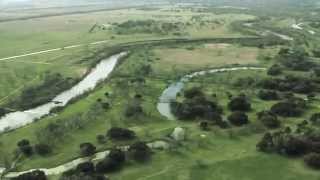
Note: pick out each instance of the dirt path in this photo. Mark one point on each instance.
(52, 50)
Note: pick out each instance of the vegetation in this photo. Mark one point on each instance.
(248, 118)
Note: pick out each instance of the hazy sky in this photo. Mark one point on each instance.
(12, 1)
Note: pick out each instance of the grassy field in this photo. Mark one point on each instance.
(62, 31)
(207, 56)
(197, 157)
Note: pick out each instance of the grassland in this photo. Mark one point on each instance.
(62, 31)
(190, 157)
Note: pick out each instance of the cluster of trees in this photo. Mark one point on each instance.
(289, 83)
(315, 119)
(269, 95)
(114, 161)
(28, 150)
(291, 107)
(117, 133)
(33, 175)
(148, 26)
(269, 119)
(296, 59)
(238, 118)
(53, 83)
(240, 103)
(57, 131)
(305, 141)
(275, 70)
(87, 149)
(197, 105)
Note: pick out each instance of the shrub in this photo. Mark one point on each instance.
(140, 151)
(87, 149)
(313, 160)
(133, 108)
(42, 149)
(2, 112)
(289, 83)
(238, 118)
(25, 147)
(293, 107)
(101, 139)
(86, 168)
(193, 92)
(268, 95)
(315, 118)
(197, 107)
(266, 143)
(204, 125)
(117, 155)
(113, 162)
(120, 134)
(239, 103)
(244, 82)
(34, 175)
(295, 146)
(274, 70)
(269, 119)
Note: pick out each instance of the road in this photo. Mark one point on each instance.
(52, 50)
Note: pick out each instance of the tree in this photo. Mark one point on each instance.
(133, 108)
(101, 139)
(197, 107)
(313, 160)
(193, 92)
(86, 168)
(34, 175)
(268, 95)
(315, 118)
(266, 143)
(120, 134)
(204, 125)
(238, 118)
(2, 112)
(42, 149)
(274, 70)
(108, 165)
(239, 103)
(117, 155)
(140, 151)
(295, 146)
(25, 147)
(87, 149)
(286, 109)
(269, 119)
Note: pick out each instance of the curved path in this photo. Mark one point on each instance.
(51, 50)
(74, 163)
(170, 94)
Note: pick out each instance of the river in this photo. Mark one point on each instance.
(170, 94)
(19, 119)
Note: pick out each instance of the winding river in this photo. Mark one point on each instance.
(170, 94)
(19, 119)
(100, 72)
